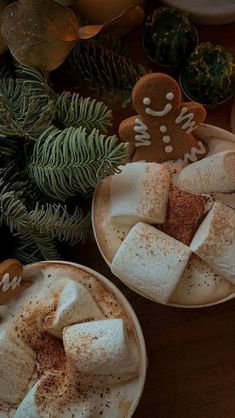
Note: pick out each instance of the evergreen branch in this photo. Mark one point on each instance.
(26, 250)
(104, 69)
(76, 111)
(13, 180)
(32, 75)
(15, 215)
(54, 220)
(13, 211)
(9, 148)
(66, 163)
(113, 42)
(29, 251)
(26, 105)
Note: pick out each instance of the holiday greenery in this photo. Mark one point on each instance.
(169, 36)
(68, 162)
(20, 101)
(209, 75)
(76, 111)
(52, 147)
(102, 64)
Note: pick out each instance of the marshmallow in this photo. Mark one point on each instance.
(200, 284)
(214, 240)
(52, 396)
(17, 362)
(75, 305)
(100, 348)
(226, 198)
(140, 193)
(212, 174)
(151, 262)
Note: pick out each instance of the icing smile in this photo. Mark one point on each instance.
(159, 113)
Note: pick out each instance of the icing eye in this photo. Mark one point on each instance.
(147, 101)
(170, 96)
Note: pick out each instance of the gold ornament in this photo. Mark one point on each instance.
(100, 11)
(42, 33)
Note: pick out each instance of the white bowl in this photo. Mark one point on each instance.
(206, 12)
(109, 236)
(133, 388)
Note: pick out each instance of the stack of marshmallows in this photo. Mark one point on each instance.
(151, 261)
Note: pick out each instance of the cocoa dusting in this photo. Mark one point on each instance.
(185, 212)
(50, 355)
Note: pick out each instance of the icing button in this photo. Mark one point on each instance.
(166, 138)
(163, 128)
(168, 149)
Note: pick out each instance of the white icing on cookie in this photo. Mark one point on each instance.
(170, 96)
(189, 124)
(166, 139)
(6, 284)
(147, 101)
(143, 137)
(163, 128)
(159, 113)
(192, 155)
(168, 149)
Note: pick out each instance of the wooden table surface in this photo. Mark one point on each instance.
(191, 352)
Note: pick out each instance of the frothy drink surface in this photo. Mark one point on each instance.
(60, 345)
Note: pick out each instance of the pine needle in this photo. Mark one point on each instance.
(15, 216)
(26, 105)
(113, 42)
(55, 221)
(66, 163)
(104, 69)
(29, 251)
(76, 111)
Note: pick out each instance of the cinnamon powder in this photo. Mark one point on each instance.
(185, 212)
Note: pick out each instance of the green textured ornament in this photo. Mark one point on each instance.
(169, 37)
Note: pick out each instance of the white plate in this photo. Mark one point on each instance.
(109, 235)
(207, 12)
(133, 389)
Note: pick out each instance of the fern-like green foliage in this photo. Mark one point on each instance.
(76, 111)
(29, 75)
(103, 68)
(30, 251)
(113, 42)
(55, 220)
(68, 162)
(41, 164)
(26, 106)
(9, 148)
(42, 225)
(15, 215)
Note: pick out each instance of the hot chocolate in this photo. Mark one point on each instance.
(154, 256)
(68, 348)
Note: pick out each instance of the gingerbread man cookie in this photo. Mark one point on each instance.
(162, 130)
(11, 284)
